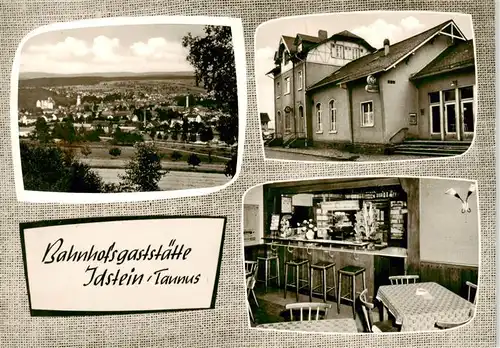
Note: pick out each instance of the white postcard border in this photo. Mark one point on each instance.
(374, 12)
(80, 198)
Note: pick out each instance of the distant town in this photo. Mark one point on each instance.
(153, 110)
(100, 122)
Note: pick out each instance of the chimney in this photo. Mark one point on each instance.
(322, 34)
(386, 47)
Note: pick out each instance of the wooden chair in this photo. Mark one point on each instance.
(250, 286)
(251, 268)
(471, 286)
(380, 326)
(250, 313)
(471, 298)
(350, 272)
(309, 307)
(448, 324)
(404, 279)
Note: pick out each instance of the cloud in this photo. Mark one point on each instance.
(376, 32)
(158, 48)
(104, 49)
(45, 63)
(104, 54)
(101, 49)
(70, 48)
(411, 24)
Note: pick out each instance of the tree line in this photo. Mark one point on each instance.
(67, 132)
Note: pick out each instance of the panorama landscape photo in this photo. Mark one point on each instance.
(130, 108)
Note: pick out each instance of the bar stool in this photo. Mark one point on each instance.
(299, 265)
(268, 260)
(322, 267)
(352, 272)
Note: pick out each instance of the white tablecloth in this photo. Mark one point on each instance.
(325, 325)
(420, 312)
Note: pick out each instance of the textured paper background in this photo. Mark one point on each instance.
(227, 325)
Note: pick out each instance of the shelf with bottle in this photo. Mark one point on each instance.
(376, 193)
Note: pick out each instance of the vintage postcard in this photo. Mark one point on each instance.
(262, 174)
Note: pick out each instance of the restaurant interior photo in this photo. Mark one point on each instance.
(363, 254)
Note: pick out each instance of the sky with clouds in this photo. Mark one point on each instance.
(129, 48)
(374, 27)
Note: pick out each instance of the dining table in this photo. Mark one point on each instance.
(418, 306)
(318, 326)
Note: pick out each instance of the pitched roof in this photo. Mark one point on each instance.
(273, 70)
(455, 57)
(289, 43)
(264, 117)
(313, 39)
(378, 61)
(346, 34)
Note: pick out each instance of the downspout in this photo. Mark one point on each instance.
(458, 115)
(304, 86)
(382, 112)
(306, 102)
(274, 103)
(293, 100)
(351, 116)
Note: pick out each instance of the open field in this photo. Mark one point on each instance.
(180, 175)
(222, 152)
(173, 180)
(100, 152)
(119, 163)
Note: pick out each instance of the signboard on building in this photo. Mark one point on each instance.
(302, 199)
(341, 205)
(371, 84)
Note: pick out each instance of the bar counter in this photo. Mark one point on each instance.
(336, 246)
(380, 263)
